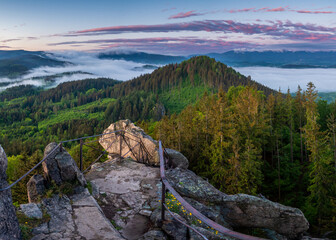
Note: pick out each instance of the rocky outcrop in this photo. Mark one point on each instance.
(9, 226)
(251, 211)
(35, 188)
(129, 194)
(177, 159)
(188, 184)
(60, 166)
(241, 210)
(130, 146)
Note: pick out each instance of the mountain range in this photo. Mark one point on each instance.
(282, 59)
(19, 62)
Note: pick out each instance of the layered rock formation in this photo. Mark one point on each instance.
(60, 166)
(131, 137)
(9, 226)
(240, 210)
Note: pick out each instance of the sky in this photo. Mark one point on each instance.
(167, 27)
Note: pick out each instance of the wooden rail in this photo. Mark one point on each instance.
(191, 209)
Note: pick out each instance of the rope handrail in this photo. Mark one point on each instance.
(45, 158)
(204, 237)
(103, 152)
(192, 210)
(32, 169)
(97, 135)
(58, 146)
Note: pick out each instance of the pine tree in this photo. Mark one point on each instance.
(320, 156)
(251, 122)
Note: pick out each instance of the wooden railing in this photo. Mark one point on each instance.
(166, 186)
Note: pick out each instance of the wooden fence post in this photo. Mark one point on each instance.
(121, 137)
(163, 201)
(81, 155)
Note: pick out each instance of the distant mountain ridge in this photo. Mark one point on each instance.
(282, 59)
(17, 63)
(142, 57)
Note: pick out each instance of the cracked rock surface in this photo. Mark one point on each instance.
(60, 166)
(77, 217)
(126, 190)
(9, 225)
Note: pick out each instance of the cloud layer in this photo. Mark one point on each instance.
(275, 78)
(86, 65)
(185, 14)
(280, 29)
(245, 10)
(256, 35)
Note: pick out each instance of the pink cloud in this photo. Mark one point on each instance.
(278, 9)
(172, 45)
(185, 15)
(242, 10)
(276, 29)
(314, 12)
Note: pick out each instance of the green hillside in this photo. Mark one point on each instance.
(28, 113)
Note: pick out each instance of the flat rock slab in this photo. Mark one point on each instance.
(121, 177)
(126, 191)
(90, 221)
(78, 217)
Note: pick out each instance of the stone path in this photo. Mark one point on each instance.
(79, 217)
(126, 191)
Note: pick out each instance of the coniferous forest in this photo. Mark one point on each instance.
(242, 136)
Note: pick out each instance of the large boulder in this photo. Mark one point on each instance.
(241, 210)
(188, 184)
(9, 225)
(177, 159)
(60, 166)
(251, 211)
(135, 142)
(35, 188)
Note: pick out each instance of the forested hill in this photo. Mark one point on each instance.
(197, 71)
(30, 116)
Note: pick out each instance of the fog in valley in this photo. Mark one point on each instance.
(80, 66)
(323, 78)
